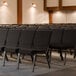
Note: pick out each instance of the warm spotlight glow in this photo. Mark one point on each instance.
(58, 14)
(4, 2)
(74, 13)
(4, 12)
(33, 5)
(33, 14)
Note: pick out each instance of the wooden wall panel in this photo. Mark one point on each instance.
(19, 11)
(50, 16)
(52, 3)
(68, 2)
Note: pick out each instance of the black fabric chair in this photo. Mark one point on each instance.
(56, 40)
(41, 44)
(11, 42)
(3, 37)
(26, 39)
(26, 42)
(69, 40)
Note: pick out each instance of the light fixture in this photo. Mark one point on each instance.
(34, 5)
(4, 2)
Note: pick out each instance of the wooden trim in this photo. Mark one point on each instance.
(60, 4)
(52, 8)
(45, 5)
(50, 17)
(19, 11)
(60, 7)
(69, 7)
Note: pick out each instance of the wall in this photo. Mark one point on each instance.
(69, 3)
(52, 3)
(34, 15)
(8, 14)
(64, 17)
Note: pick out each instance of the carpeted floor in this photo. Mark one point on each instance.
(40, 70)
(57, 68)
(65, 72)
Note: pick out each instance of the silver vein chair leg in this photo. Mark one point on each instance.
(18, 60)
(4, 58)
(34, 59)
(48, 55)
(50, 59)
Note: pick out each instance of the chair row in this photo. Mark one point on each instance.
(63, 39)
(29, 41)
(53, 25)
(36, 40)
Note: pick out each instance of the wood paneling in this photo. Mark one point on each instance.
(52, 3)
(69, 5)
(60, 4)
(52, 8)
(45, 5)
(68, 2)
(49, 8)
(50, 16)
(60, 7)
(69, 8)
(19, 11)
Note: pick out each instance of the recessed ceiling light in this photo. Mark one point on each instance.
(33, 5)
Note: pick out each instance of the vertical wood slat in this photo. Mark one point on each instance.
(19, 11)
(50, 17)
(60, 4)
(45, 5)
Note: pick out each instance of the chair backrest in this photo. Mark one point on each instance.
(41, 39)
(69, 37)
(56, 37)
(13, 38)
(3, 36)
(27, 36)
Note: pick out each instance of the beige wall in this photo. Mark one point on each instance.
(34, 15)
(64, 17)
(8, 14)
(52, 3)
(59, 17)
(69, 2)
(38, 15)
